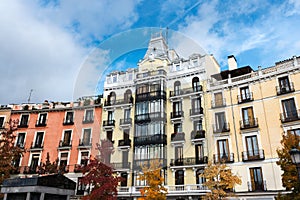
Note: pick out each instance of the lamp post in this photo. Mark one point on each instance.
(295, 155)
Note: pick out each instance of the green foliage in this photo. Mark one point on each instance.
(289, 177)
(219, 179)
(152, 175)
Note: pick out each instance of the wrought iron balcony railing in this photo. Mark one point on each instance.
(189, 161)
(249, 123)
(175, 137)
(147, 117)
(284, 89)
(290, 116)
(123, 143)
(221, 128)
(245, 97)
(108, 123)
(218, 103)
(226, 158)
(85, 142)
(177, 114)
(196, 111)
(153, 95)
(253, 155)
(63, 143)
(257, 186)
(186, 91)
(126, 121)
(197, 134)
(150, 139)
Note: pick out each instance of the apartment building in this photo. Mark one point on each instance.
(250, 111)
(66, 131)
(156, 111)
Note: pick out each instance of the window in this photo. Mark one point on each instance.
(289, 109)
(195, 63)
(125, 159)
(177, 67)
(69, 118)
(179, 177)
(86, 137)
(284, 85)
(196, 84)
(223, 150)
(199, 153)
(126, 134)
(196, 106)
(124, 177)
(245, 95)
(110, 116)
(252, 147)
(248, 117)
(89, 116)
(256, 179)
(177, 88)
(24, 121)
(84, 158)
(178, 128)
(42, 119)
(142, 108)
(21, 140)
(178, 155)
(197, 125)
(39, 137)
(112, 98)
(177, 109)
(66, 141)
(2, 124)
(199, 176)
(114, 78)
(34, 163)
(142, 89)
(128, 97)
(109, 135)
(63, 159)
(220, 122)
(127, 114)
(218, 99)
(295, 131)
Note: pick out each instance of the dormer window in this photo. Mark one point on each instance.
(114, 78)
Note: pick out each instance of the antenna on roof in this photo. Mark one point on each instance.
(30, 95)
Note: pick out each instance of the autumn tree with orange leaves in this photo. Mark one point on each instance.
(219, 180)
(99, 175)
(154, 179)
(289, 177)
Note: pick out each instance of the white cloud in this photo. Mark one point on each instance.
(39, 51)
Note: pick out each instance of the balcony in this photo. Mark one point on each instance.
(21, 145)
(138, 164)
(177, 137)
(125, 122)
(186, 91)
(259, 186)
(37, 146)
(86, 120)
(245, 97)
(253, 155)
(177, 115)
(68, 122)
(197, 135)
(41, 123)
(249, 123)
(85, 143)
(226, 158)
(118, 102)
(221, 128)
(156, 73)
(148, 117)
(150, 139)
(63, 169)
(149, 96)
(108, 123)
(290, 116)
(124, 143)
(65, 144)
(121, 165)
(285, 89)
(218, 103)
(194, 112)
(24, 125)
(189, 161)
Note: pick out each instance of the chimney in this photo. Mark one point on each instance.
(232, 64)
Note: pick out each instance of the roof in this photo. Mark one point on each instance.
(234, 73)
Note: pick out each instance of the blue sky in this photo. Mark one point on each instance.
(56, 47)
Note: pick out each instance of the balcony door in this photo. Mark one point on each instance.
(67, 138)
(199, 151)
(284, 84)
(220, 121)
(177, 88)
(252, 146)
(223, 149)
(218, 99)
(178, 155)
(39, 139)
(256, 179)
(289, 108)
(245, 93)
(179, 177)
(248, 117)
(86, 137)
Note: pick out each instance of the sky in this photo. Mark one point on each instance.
(62, 49)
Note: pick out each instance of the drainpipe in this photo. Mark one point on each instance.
(233, 118)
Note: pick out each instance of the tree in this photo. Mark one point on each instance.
(289, 177)
(47, 167)
(152, 175)
(219, 179)
(9, 153)
(100, 176)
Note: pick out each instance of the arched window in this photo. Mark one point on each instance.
(196, 84)
(128, 96)
(112, 98)
(177, 85)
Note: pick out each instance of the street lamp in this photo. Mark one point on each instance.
(295, 155)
